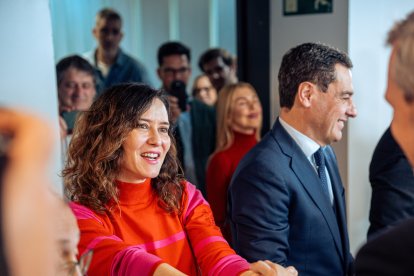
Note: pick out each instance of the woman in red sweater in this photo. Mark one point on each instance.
(239, 121)
(133, 207)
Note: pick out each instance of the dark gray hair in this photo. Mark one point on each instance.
(75, 62)
(313, 62)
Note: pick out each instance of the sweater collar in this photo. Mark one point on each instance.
(133, 193)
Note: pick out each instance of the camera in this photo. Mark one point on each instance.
(178, 90)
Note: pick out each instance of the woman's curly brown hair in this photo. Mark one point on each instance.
(95, 150)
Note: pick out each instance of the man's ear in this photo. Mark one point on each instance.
(95, 33)
(305, 93)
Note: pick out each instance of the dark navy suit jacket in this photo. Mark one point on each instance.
(279, 211)
(389, 253)
(392, 183)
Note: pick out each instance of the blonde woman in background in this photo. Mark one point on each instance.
(204, 91)
(239, 121)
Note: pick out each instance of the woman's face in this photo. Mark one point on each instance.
(204, 91)
(246, 112)
(145, 147)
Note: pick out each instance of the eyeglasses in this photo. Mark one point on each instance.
(172, 71)
(81, 266)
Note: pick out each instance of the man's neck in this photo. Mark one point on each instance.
(298, 120)
(106, 57)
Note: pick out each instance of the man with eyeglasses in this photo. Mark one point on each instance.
(112, 65)
(220, 66)
(195, 121)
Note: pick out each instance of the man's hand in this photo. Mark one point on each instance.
(269, 268)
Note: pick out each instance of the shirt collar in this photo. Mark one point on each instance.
(306, 144)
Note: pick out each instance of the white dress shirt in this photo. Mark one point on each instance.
(309, 147)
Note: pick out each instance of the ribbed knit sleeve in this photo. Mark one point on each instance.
(111, 255)
(213, 254)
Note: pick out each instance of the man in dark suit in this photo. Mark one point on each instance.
(391, 253)
(392, 183)
(286, 199)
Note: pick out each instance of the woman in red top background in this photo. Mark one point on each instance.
(239, 121)
(133, 207)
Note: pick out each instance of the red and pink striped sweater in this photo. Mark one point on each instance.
(139, 235)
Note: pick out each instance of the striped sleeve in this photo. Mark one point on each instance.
(213, 253)
(111, 256)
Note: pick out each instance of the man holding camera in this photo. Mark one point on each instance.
(195, 121)
(76, 89)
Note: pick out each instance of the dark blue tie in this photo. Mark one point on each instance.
(320, 164)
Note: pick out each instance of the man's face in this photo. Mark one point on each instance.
(219, 73)
(174, 67)
(331, 109)
(402, 126)
(108, 34)
(76, 90)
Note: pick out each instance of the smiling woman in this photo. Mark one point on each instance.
(133, 206)
(239, 121)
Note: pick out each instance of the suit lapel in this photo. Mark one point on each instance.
(306, 174)
(337, 190)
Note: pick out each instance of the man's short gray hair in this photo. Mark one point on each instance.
(401, 37)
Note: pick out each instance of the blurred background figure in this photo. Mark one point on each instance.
(174, 71)
(204, 91)
(76, 84)
(194, 121)
(239, 121)
(220, 66)
(39, 232)
(112, 65)
(66, 236)
(391, 253)
(392, 183)
(76, 91)
(27, 220)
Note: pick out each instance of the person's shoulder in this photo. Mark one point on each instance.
(89, 56)
(220, 159)
(126, 58)
(82, 212)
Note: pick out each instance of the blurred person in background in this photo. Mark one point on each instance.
(204, 91)
(28, 240)
(239, 122)
(112, 65)
(220, 66)
(76, 91)
(194, 122)
(391, 253)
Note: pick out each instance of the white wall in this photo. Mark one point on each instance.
(360, 28)
(369, 23)
(27, 72)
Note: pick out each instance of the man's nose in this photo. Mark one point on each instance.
(352, 110)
